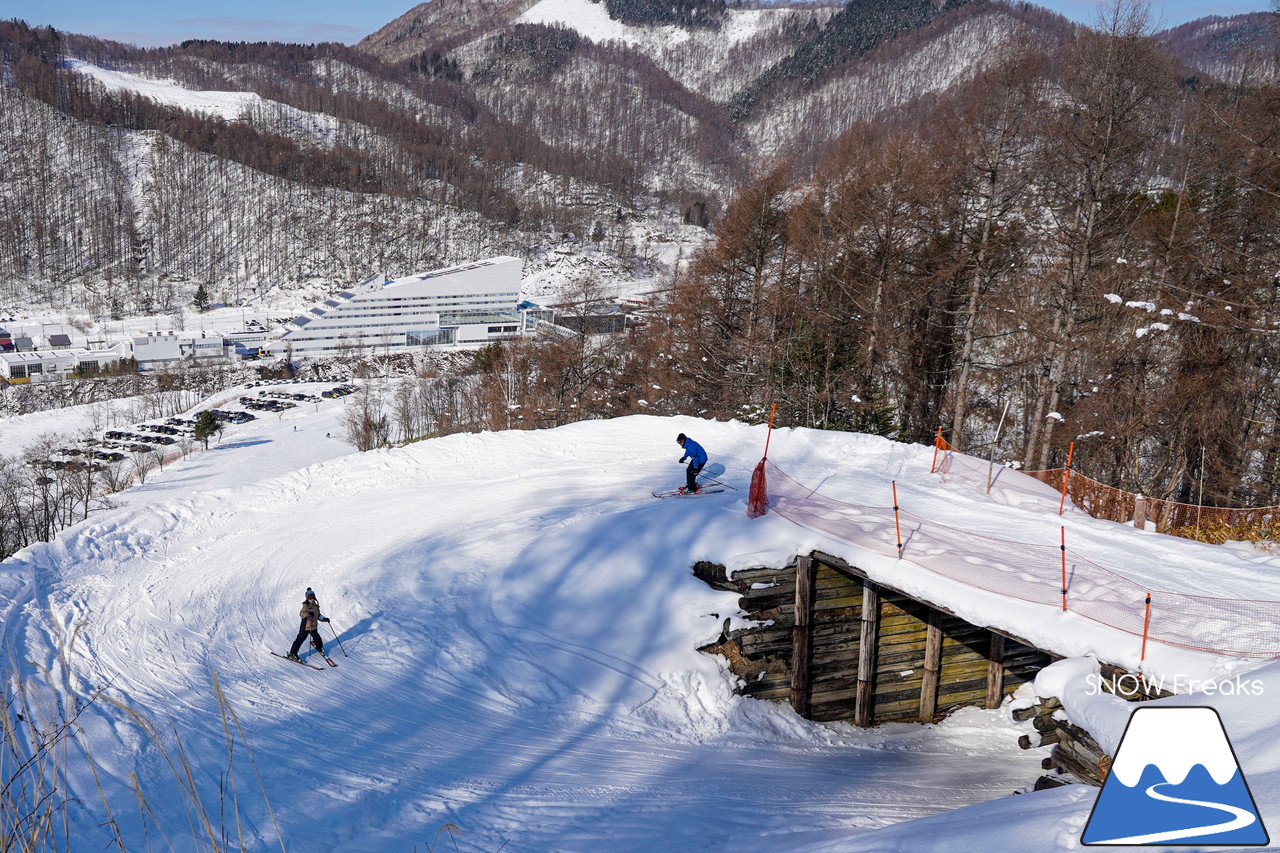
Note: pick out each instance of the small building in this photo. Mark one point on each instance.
(59, 342)
(160, 349)
(17, 368)
(24, 344)
(246, 344)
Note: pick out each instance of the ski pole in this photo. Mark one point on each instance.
(335, 636)
(717, 482)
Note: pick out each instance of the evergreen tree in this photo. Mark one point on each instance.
(207, 426)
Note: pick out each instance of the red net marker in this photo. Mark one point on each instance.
(758, 494)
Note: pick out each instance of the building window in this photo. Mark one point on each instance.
(33, 369)
(18, 371)
(429, 337)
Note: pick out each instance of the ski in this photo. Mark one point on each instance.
(676, 493)
(299, 662)
(327, 659)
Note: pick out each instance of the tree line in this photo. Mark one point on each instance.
(1081, 248)
(1087, 237)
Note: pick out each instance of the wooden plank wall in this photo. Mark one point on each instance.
(908, 660)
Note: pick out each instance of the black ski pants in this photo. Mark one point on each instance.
(691, 477)
(302, 635)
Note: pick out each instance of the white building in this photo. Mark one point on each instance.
(463, 306)
(157, 349)
(18, 368)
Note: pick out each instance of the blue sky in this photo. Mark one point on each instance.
(160, 22)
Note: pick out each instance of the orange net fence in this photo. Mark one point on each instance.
(1195, 521)
(1182, 519)
(1045, 574)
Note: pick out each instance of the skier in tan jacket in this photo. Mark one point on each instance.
(311, 619)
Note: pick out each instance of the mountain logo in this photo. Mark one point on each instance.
(1175, 780)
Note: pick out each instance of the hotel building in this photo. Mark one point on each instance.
(464, 306)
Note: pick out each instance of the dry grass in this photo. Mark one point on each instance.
(44, 746)
(1215, 532)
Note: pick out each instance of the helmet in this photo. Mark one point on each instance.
(680, 438)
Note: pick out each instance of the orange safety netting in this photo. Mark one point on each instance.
(1103, 501)
(1107, 502)
(1034, 572)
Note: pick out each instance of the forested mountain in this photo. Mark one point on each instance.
(460, 128)
(893, 215)
(1221, 48)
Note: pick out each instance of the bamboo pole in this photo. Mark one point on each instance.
(769, 434)
(991, 463)
(896, 525)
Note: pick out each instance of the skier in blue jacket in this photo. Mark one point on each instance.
(697, 458)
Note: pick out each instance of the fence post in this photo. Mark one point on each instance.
(896, 526)
(802, 638)
(868, 651)
(1146, 624)
(1066, 474)
(1064, 570)
(1139, 512)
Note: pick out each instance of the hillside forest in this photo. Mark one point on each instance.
(1078, 246)
(1077, 243)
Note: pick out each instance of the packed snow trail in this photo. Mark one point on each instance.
(522, 625)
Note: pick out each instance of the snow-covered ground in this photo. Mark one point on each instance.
(230, 106)
(518, 626)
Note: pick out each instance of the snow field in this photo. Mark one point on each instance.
(522, 623)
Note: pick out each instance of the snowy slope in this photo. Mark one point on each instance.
(713, 61)
(518, 627)
(230, 106)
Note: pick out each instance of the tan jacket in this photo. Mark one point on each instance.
(310, 614)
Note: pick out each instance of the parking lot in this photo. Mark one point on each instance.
(117, 445)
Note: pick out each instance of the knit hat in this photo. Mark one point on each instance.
(310, 593)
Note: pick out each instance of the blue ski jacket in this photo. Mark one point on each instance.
(694, 453)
